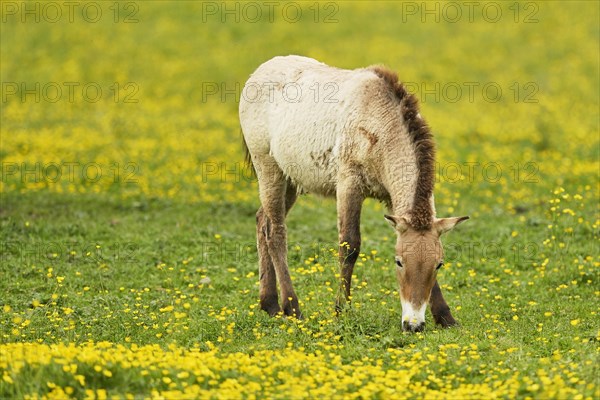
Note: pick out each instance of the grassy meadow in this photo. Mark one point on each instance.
(128, 265)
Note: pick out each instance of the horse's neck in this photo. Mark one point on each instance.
(401, 189)
(401, 178)
(403, 204)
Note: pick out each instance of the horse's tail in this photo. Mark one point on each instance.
(247, 156)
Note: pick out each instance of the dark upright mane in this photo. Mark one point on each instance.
(421, 215)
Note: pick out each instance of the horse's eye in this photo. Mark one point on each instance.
(398, 262)
(440, 265)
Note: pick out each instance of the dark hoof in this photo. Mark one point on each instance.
(445, 321)
(342, 303)
(270, 305)
(338, 309)
(294, 313)
(292, 309)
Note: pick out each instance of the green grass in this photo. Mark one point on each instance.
(155, 254)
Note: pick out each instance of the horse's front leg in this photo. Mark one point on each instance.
(439, 308)
(349, 204)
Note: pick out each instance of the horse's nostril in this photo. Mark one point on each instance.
(407, 326)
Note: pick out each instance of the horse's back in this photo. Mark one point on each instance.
(297, 110)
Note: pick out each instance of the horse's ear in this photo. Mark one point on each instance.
(400, 224)
(443, 225)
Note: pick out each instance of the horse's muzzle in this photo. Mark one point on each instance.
(407, 326)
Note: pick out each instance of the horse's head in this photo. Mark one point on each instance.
(419, 255)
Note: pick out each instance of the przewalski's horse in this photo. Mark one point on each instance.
(351, 134)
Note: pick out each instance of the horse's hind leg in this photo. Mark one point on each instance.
(277, 196)
(268, 278)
